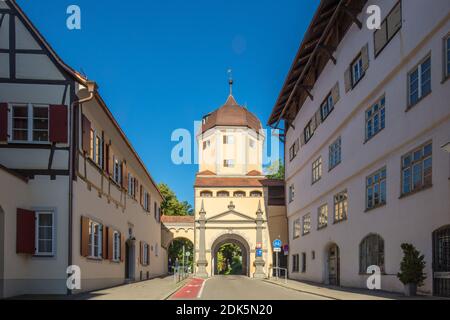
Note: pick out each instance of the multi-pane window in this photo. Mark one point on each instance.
(308, 132)
(95, 239)
(117, 171)
(335, 154)
(44, 233)
(371, 253)
(322, 217)
(96, 146)
(116, 246)
(295, 262)
(317, 170)
(206, 194)
(29, 123)
(297, 228)
(376, 189)
(228, 163)
(340, 206)
(357, 70)
(375, 118)
(293, 150)
(131, 186)
(291, 193)
(239, 194)
(419, 81)
(256, 194)
(306, 221)
(447, 57)
(40, 123)
(223, 194)
(303, 262)
(326, 107)
(146, 201)
(417, 169)
(228, 139)
(145, 254)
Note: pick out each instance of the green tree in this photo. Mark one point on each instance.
(176, 252)
(412, 266)
(171, 206)
(275, 170)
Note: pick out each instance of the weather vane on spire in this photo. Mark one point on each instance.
(230, 80)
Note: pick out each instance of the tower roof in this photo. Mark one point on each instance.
(233, 115)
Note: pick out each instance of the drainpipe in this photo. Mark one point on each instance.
(91, 86)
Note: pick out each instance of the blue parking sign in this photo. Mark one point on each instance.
(277, 243)
(259, 252)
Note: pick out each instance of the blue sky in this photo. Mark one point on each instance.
(161, 65)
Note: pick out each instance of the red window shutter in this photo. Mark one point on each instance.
(141, 251)
(141, 195)
(85, 237)
(86, 134)
(110, 161)
(3, 122)
(110, 235)
(105, 243)
(124, 176)
(58, 123)
(26, 229)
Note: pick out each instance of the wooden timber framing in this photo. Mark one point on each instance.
(331, 21)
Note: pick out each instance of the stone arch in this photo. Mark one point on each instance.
(233, 238)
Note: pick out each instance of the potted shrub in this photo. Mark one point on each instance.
(411, 269)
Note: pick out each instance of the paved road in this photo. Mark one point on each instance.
(243, 288)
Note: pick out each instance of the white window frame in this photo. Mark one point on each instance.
(327, 105)
(372, 114)
(117, 170)
(374, 183)
(96, 150)
(416, 163)
(306, 224)
(116, 246)
(206, 144)
(30, 126)
(340, 202)
(291, 193)
(228, 139)
(229, 163)
(146, 254)
(146, 200)
(357, 70)
(92, 245)
(317, 170)
(297, 228)
(420, 94)
(37, 214)
(335, 155)
(131, 186)
(322, 214)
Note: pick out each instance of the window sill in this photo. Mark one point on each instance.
(445, 79)
(375, 207)
(340, 221)
(411, 106)
(321, 228)
(44, 255)
(305, 234)
(359, 80)
(94, 258)
(96, 165)
(314, 182)
(405, 195)
(373, 136)
(331, 169)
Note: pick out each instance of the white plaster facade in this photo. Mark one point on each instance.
(411, 219)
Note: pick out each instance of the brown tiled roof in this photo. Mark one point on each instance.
(228, 182)
(232, 114)
(177, 219)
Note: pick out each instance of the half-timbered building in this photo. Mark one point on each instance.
(73, 191)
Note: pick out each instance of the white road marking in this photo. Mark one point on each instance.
(201, 289)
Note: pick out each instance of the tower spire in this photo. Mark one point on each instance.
(230, 80)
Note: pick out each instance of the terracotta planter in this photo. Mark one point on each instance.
(410, 289)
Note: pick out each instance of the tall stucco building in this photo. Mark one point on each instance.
(234, 202)
(73, 191)
(367, 131)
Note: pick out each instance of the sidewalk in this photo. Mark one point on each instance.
(154, 289)
(340, 293)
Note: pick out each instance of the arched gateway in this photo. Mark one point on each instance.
(239, 242)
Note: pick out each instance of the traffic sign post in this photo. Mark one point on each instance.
(277, 248)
